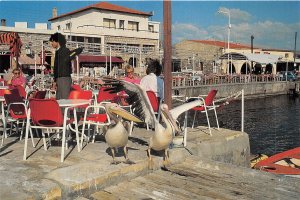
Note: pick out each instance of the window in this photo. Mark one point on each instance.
(109, 23)
(121, 25)
(94, 40)
(151, 28)
(77, 38)
(148, 48)
(134, 26)
(68, 26)
(58, 27)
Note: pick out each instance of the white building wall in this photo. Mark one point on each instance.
(90, 23)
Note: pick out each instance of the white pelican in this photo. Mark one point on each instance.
(137, 97)
(116, 134)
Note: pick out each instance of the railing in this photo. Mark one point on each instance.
(189, 80)
(98, 49)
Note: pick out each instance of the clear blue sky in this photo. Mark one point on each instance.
(273, 23)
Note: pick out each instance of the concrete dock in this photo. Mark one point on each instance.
(218, 163)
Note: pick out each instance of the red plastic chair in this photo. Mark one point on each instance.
(81, 94)
(208, 104)
(46, 114)
(16, 113)
(22, 91)
(153, 100)
(105, 96)
(41, 94)
(155, 104)
(75, 87)
(94, 115)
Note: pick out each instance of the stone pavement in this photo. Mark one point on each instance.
(43, 176)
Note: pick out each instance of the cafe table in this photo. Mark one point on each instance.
(73, 103)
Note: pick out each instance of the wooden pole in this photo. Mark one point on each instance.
(167, 53)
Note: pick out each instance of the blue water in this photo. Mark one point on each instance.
(272, 123)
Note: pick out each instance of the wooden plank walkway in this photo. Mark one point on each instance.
(196, 179)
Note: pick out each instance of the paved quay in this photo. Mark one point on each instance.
(89, 175)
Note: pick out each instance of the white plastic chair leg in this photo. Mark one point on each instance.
(131, 128)
(208, 123)
(32, 140)
(194, 119)
(44, 140)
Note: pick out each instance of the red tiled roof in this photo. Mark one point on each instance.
(222, 44)
(104, 6)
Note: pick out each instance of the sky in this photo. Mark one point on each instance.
(272, 23)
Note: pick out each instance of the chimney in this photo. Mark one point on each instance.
(54, 12)
(3, 22)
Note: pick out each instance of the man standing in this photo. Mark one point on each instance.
(62, 66)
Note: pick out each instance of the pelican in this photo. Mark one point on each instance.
(116, 134)
(137, 97)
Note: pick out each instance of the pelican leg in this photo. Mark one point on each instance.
(166, 157)
(127, 161)
(114, 162)
(150, 161)
(149, 154)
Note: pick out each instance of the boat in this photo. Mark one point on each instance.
(257, 158)
(285, 163)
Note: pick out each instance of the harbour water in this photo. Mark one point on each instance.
(272, 123)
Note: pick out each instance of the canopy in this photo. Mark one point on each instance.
(262, 58)
(99, 59)
(259, 58)
(26, 60)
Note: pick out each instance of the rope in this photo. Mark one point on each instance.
(227, 100)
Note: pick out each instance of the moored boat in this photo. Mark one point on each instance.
(257, 158)
(286, 163)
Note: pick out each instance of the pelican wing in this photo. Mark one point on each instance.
(137, 97)
(175, 112)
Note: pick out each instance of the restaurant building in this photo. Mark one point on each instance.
(112, 36)
(212, 56)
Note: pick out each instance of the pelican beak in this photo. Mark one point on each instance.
(124, 114)
(170, 118)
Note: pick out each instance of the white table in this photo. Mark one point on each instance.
(2, 87)
(73, 103)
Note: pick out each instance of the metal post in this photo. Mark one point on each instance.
(140, 61)
(77, 66)
(252, 38)
(109, 59)
(286, 69)
(228, 36)
(228, 47)
(242, 111)
(133, 60)
(295, 50)
(35, 64)
(106, 64)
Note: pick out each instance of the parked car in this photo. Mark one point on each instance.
(289, 76)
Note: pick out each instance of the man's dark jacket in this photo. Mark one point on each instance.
(62, 63)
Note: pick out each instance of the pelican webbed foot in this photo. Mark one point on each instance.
(114, 162)
(129, 162)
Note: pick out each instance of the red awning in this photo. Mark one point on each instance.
(99, 59)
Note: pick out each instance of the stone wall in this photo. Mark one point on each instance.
(199, 52)
(250, 90)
